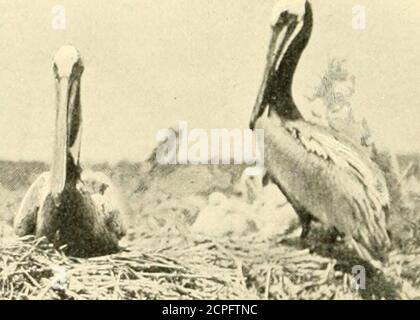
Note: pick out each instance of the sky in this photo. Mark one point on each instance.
(152, 63)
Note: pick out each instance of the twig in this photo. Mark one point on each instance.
(267, 283)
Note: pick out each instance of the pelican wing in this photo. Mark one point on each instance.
(369, 206)
(106, 200)
(25, 219)
(343, 154)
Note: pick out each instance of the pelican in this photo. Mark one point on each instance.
(70, 207)
(324, 175)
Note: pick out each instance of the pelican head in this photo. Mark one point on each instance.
(291, 24)
(67, 61)
(284, 10)
(68, 69)
(288, 19)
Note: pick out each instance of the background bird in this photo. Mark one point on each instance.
(323, 174)
(70, 207)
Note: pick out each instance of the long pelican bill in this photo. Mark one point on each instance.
(67, 132)
(288, 24)
(59, 163)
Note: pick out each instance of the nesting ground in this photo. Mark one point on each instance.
(163, 259)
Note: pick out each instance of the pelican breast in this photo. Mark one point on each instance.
(89, 219)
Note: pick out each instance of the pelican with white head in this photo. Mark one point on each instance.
(70, 207)
(323, 174)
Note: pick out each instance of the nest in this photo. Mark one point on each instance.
(201, 268)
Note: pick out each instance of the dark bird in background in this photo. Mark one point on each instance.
(71, 207)
(324, 175)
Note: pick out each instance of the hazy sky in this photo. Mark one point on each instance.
(151, 63)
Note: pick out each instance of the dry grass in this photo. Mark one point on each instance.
(158, 264)
(32, 269)
(200, 268)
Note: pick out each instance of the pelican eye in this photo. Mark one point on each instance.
(284, 15)
(77, 69)
(289, 18)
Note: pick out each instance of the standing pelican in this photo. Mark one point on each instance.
(324, 175)
(67, 206)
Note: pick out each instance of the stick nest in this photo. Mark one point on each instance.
(200, 268)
